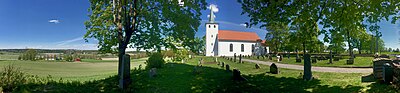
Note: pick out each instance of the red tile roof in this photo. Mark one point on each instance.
(237, 36)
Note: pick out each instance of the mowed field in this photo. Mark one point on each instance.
(75, 71)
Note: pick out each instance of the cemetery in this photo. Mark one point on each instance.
(179, 46)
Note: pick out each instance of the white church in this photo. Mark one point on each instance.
(228, 42)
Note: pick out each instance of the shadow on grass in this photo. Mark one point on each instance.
(179, 78)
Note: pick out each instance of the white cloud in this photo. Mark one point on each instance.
(214, 7)
(245, 25)
(61, 43)
(55, 21)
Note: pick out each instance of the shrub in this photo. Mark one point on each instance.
(11, 77)
(68, 58)
(155, 61)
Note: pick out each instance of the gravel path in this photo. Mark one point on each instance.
(314, 68)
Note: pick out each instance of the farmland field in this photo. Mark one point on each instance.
(80, 71)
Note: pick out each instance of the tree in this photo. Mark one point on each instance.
(142, 24)
(198, 45)
(30, 54)
(277, 35)
(344, 16)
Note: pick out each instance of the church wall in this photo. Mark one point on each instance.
(224, 46)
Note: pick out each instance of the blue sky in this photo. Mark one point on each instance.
(58, 24)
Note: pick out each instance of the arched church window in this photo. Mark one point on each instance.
(242, 48)
(211, 35)
(231, 47)
(215, 26)
(209, 26)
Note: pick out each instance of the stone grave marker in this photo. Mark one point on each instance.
(273, 69)
(222, 64)
(227, 68)
(152, 72)
(234, 57)
(237, 76)
(314, 60)
(240, 58)
(257, 66)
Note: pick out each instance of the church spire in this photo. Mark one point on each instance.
(212, 16)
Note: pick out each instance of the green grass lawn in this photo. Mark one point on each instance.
(76, 71)
(358, 62)
(179, 78)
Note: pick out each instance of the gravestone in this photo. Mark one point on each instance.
(307, 67)
(273, 69)
(350, 61)
(234, 57)
(196, 70)
(314, 60)
(298, 60)
(152, 72)
(336, 59)
(227, 68)
(222, 64)
(280, 57)
(269, 57)
(240, 58)
(124, 71)
(257, 66)
(236, 75)
(258, 57)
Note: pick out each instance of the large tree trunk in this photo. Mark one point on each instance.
(359, 47)
(350, 47)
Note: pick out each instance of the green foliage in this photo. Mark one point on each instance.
(155, 60)
(69, 58)
(11, 77)
(146, 24)
(30, 54)
(344, 18)
(277, 35)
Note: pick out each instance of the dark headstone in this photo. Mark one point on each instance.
(152, 72)
(236, 76)
(273, 69)
(307, 67)
(298, 60)
(280, 57)
(227, 68)
(196, 70)
(314, 60)
(258, 57)
(350, 61)
(269, 57)
(336, 59)
(223, 64)
(234, 57)
(240, 58)
(257, 66)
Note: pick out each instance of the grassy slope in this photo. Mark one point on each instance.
(216, 79)
(358, 62)
(179, 78)
(81, 71)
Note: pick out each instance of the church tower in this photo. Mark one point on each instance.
(211, 35)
